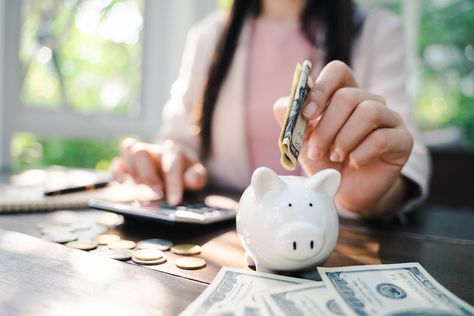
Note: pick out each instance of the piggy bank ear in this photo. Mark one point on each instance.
(264, 180)
(327, 180)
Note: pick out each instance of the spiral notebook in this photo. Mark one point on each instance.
(25, 192)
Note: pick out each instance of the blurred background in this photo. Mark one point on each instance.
(77, 76)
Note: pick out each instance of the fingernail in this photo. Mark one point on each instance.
(310, 109)
(335, 156)
(314, 153)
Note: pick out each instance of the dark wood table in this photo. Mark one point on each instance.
(39, 277)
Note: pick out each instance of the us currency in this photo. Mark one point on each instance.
(294, 128)
(392, 289)
(302, 300)
(236, 292)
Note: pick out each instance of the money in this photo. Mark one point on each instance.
(117, 254)
(303, 300)
(105, 239)
(186, 249)
(61, 237)
(83, 244)
(121, 244)
(149, 254)
(234, 291)
(190, 263)
(294, 128)
(392, 289)
(155, 243)
(149, 262)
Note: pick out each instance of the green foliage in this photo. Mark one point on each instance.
(32, 152)
(446, 95)
(85, 54)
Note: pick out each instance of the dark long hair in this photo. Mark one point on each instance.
(336, 17)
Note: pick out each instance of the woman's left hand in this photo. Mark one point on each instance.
(354, 131)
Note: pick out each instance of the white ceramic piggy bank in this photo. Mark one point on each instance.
(288, 222)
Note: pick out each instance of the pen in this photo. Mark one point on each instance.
(80, 188)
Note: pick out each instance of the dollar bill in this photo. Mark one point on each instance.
(236, 291)
(392, 289)
(294, 128)
(303, 300)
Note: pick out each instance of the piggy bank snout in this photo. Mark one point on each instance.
(299, 241)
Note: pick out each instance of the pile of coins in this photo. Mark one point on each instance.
(95, 237)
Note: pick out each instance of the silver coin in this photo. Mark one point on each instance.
(117, 254)
(61, 238)
(51, 230)
(155, 243)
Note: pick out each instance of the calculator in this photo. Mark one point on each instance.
(201, 209)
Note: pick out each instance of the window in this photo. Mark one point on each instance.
(85, 73)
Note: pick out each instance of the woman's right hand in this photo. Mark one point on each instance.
(167, 168)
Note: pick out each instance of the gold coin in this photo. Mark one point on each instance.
(190, 263)
(110, 219)
(83, 244)
(186, 249)
(149, 262)
(105, 239)
(148, 254)
(121, 244)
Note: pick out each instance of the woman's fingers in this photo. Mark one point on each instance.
(119, 170)
(391, 144)
(280, 109)
(172, 164)
(147, 167)
(367, 117)
(343, 103)
(334, 76)
(195, 177)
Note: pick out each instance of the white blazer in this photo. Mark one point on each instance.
(378, 63)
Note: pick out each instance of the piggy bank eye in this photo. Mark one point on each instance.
(310, 204)
(290, 205)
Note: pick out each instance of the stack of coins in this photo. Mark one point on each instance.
(98, 238)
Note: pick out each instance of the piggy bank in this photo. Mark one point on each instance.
(288, 223)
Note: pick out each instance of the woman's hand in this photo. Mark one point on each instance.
(354, 132)
(167, 168)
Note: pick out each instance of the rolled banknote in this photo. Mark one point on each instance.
(294, 128)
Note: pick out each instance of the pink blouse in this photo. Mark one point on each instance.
(275, 49)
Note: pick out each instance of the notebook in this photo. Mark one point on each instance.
(25, 192)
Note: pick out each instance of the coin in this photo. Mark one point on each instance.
(81, 225)
(149, 262)
(110, 219)
(148, 254)
(61, 237)
(190, 263)
(121, 244)
(83, 244)
(155, 243)
(105, 239)
(186, 249)
(51, 230)
(117, 254)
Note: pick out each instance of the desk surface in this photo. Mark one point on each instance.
(51, 277)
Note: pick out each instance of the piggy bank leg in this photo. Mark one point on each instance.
(249, 260)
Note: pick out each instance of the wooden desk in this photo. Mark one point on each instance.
(40, 277)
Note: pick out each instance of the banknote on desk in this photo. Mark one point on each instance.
(294, 128)
(302, 299)
(391, 289)
(236, 292)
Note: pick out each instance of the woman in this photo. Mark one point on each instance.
(218, 123)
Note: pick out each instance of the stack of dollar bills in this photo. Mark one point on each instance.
(391, 289)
